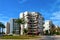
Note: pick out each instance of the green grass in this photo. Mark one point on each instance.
(20, 37)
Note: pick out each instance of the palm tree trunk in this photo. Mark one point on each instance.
(0, 30)
(19, 28)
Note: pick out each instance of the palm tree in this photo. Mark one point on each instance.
(2, 26)
(52, 29)
(19, 22)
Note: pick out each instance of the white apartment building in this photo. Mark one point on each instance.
(34, 22)
(47, 25)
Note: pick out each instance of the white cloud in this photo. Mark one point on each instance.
(56, 23)
(5, 17)
(4, 22)
(56, 18)
(55, 15)
(55, 5)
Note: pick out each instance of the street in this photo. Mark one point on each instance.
(50, 38)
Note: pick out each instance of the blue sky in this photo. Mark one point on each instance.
(50, 9)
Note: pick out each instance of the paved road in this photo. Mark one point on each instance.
(50, 38)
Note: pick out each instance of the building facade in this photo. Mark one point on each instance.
(14, 28)
(34, 22)
(7, 28)
(47, 25)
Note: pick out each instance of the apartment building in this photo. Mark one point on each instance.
(7, 28)
(14, 28)
(47, 25)
(34, 22)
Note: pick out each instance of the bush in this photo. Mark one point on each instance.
(10, 35)
(46, 32)
(57, 33)
(25, 30)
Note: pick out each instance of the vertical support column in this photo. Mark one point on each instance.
(22, 29)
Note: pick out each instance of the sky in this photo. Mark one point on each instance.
(50, 9)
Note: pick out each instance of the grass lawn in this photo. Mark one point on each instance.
(20, 37)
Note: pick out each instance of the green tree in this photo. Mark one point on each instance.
(19, 22)
(25, 30)
(2, 26)
(52, 29)
(58, 30)
(46, 32)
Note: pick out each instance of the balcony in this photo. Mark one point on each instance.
(34, 32)
(32, 17)
(35, 21)
(32, 22)
(33, 27)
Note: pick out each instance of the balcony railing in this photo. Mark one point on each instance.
(33, 27)
(33, 32)
(35, 22)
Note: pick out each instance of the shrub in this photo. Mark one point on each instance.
(25, 30)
